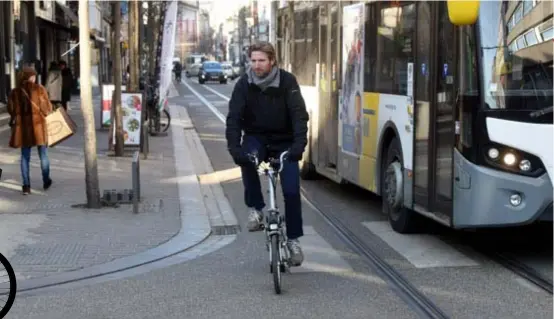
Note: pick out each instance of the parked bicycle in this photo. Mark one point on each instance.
(274, 222)
(8, 286)
(157, 121)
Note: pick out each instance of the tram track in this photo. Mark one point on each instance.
(521, 269)
(412, 296)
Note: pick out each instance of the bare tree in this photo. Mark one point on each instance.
(91, 164)
(116, 99)
(134, 61)
(152, 35)
(293, 36)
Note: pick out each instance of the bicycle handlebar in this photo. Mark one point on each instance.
(273, 161)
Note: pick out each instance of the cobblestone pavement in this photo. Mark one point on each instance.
(42, 234)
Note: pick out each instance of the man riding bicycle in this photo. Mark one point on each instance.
(178, 69)
(267, 105)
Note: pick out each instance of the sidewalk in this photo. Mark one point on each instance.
(42, 234)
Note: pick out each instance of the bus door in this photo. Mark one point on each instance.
(435, 87)
(327, 140)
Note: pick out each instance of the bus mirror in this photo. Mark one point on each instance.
(463, 12)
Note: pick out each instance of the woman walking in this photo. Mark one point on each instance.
(28, 106)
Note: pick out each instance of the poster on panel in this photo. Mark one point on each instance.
(350, 110)
(106, 113)
(131, 108)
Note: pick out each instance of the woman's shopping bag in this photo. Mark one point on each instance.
(60, 126)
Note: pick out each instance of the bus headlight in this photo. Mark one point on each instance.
(525, 165)
(512, 160)
(493, 153)
(509, 159)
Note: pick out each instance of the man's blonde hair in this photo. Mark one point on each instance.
(264, 47)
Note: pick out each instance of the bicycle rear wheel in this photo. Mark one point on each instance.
(7, 289)
(276, 263)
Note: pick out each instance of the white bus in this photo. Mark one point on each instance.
(431, 105)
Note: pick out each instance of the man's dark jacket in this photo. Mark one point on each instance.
(277, 116)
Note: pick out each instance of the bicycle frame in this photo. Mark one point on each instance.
(274, 223)
(272, 181)
(272, 184)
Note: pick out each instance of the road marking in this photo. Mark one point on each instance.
(212, 108)
(217, 93)
(422, 251)
(319, 255)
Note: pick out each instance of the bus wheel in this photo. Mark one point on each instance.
(401, 219)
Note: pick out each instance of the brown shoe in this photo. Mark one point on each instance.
(26, 190)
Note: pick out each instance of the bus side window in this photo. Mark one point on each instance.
(370, 47)
(395, 40)
(469, 86)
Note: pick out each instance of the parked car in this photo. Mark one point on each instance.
(236, 68)
(211, 71)
(229, 71)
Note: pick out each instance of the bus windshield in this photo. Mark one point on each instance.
(516, 55)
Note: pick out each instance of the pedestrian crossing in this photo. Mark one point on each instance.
(422, 251)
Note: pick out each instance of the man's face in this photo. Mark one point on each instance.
(62, 66)
(260, 63)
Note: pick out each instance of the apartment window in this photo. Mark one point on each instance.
(513, 47)
(531, 37)
(527, 6)
(520, 43)
(547, 34)
(518, 14)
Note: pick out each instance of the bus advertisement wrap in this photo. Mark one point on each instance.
(350, 111)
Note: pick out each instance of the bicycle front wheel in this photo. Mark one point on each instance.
(276, 263)
(165, 120)
(8, 286)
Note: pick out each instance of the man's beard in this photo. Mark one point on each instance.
(261, 74)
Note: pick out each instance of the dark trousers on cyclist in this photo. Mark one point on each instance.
(289, 179)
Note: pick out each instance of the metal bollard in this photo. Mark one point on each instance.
(136, 181)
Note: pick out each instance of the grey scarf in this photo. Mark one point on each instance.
(270, 80)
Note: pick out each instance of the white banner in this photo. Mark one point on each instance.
(168, 50)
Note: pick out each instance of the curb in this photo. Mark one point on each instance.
(195, 220)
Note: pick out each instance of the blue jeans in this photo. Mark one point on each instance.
(290, 184)
(44, 164)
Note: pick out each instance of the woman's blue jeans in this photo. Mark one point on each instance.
(44, 164)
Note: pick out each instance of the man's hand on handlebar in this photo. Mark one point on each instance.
(276, 163)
